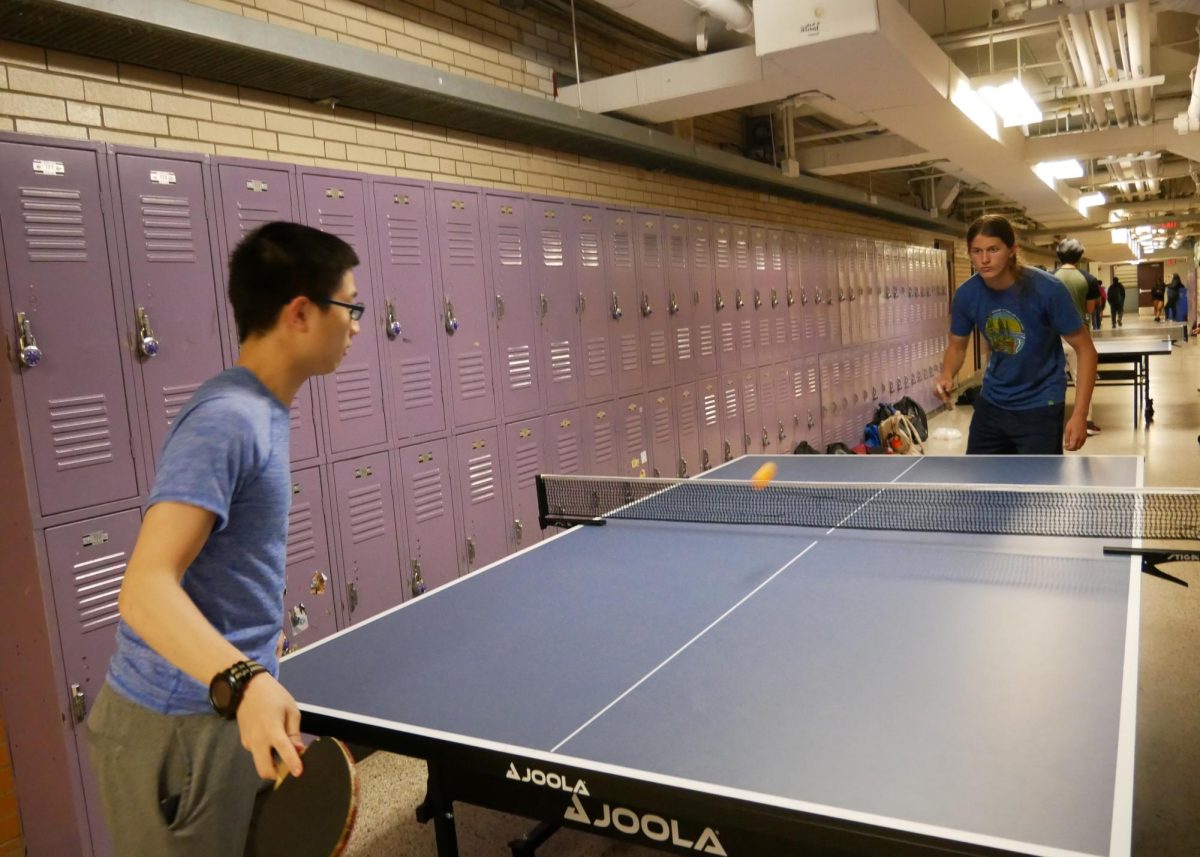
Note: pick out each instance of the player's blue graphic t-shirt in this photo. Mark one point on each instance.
(1023, 325)
(226, 452)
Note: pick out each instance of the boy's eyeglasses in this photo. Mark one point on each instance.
(356, 310)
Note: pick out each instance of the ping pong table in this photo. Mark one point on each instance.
(755, 689)
(1136, 351)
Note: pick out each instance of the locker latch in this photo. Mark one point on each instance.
(391, 324)
(28, 351)
(352, 596)
(672, 304)
(774, 298)
(616, 306)
(470, 550)
(728, 451)
(766, 438)
(646, 308)
(683, 468)
(518, 531)
(720, 301)
(543, 304)
(451, 321)
(580, 304)
(757, 299)
(147, 345)
(705, 461)
(782, 432)
(791, 298)
(499, 306)
(418, 582)
(738, 300)
(78, 703)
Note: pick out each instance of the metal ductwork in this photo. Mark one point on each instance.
(909, 86)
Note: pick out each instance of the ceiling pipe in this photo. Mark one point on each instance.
(1137, 16)
(1108, 61)
(1123, 45)
(734, 14)
(1077, 33)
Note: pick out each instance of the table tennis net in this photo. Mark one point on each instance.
(987, 509)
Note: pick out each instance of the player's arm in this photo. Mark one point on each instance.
(1075, 432)
(154, 604)
(952, 362)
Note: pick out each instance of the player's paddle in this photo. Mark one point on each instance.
(311, 815)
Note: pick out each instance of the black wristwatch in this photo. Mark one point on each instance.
(227, 687)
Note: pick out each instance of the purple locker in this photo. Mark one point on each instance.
(177, 336)
(564, 446)
(787, 417)
(763, 314)
(559, 303)
(687, 421)
(508, 263)
(700, 260)
(813, 409)
(309, 612)
(599, 434)
(733, 430)
(410, 309)
(825, 292)
(250, 195)
(481, 492)
(654, 312)
(793, 311)
(680, 304)
(428, 514)
(752, 414)
(370, 547)
(87, 564)
(724, 287)
(745, 310)
(633, 445)
(623, 309)
(464, 313)
(810, 256)
(337, 203)
(585, 244)
(69, 348)
(525, 455)
(777, 279)
(767, 439)
(708, 392)
(660, 417)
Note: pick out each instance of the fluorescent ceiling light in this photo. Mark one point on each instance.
(976, 109)
(1049, 171)
(1088, 200)
(1012, 103)
(1120, 236)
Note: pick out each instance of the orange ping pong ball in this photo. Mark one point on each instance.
(763, 475)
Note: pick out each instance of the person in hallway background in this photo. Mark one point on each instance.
(1157, 292)
(1085, 292)
(1116, 302)
(191, 715)
(1025, 314)
(1172, 297)
(1098, 309)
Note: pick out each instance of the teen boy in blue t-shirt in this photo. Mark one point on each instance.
(191, 713)
(1023, 313)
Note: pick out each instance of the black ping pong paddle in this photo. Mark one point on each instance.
(311, 815)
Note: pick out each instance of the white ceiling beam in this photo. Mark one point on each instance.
(884, 152)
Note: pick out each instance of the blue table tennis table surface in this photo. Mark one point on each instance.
(975, 689)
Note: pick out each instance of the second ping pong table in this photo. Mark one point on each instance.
(1136, 351)
(755, 689)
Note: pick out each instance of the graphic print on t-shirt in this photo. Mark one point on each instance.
(1004, 332)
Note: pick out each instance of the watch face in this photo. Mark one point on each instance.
(221, 693)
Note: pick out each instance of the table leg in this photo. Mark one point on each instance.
(440, 810)
(1149, 401)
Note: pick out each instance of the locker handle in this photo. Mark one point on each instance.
(616, 306)
(774, 298)
(766, 438)
(720, 301)
(499, 306)
(782, 432)
(147, 344)
(470, 550)
(758, 301)
(672, 303)
(791, 298)
(811, 421)
(728, 451)
(391, 324)
(645, 305)
(818, 299)
(352, 596)
(695, 298)
(518, 530)
(78, 703)
(580, 304)
(451, 321)
(418, 582)
(544, 304)
(28, 352)
(804, 297)
(683, 468)
(705, 461)
(738, 300)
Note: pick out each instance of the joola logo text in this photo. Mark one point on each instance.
(550, 780)
(653, 827)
